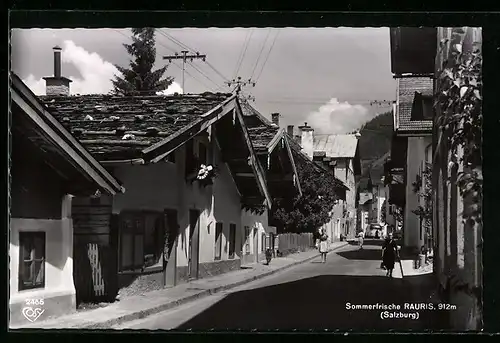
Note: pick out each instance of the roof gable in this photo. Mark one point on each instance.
(59, 140)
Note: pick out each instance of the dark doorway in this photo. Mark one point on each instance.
(194, 243)
(170, 250)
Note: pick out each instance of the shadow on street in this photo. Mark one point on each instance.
(320, 303)
(362, 254)
(368, 241)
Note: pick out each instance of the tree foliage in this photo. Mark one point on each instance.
(310, 211)
(459, 104)
(139, 78)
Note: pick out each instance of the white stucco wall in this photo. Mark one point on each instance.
(258, 224)
(162, 185)
(349, 180)
(58, 257)
(415, 164)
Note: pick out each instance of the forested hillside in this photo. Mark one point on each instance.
(375, 142)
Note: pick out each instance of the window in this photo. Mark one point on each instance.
(263, 244)
(141, 240)
(232, 239)
(247, 240)
(218, 241)
(31, 260)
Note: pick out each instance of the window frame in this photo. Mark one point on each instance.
(30, 236)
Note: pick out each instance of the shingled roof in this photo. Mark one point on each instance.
(260, 129)
(335, 146)
(121, 127)
(407, 88)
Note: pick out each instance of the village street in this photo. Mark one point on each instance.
(310, 296)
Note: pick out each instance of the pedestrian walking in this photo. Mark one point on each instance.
(323, 245)
(389, 254)
(361, 238)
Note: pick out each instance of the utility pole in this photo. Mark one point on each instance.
(184, 57)
(239, 83)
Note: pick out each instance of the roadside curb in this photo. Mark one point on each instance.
(167, 306)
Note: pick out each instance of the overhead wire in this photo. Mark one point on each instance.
(260, 53)
(244, 52)
(268, 54)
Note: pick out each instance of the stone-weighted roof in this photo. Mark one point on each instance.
(120, 127)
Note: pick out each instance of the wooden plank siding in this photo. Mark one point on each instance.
(95, 270)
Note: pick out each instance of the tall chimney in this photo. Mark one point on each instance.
(289, 130)
(57, 84)
(57, 61)
(307, 140)
(275, 118)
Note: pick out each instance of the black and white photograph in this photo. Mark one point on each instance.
(246, 178)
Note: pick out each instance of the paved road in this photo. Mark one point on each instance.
(310, 296)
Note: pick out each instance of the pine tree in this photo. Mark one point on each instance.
(140, 79)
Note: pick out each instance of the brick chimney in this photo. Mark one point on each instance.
(307, 140)
(289, 130)
(57, 84)
(275, 118)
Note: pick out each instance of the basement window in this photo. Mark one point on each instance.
(31, 260)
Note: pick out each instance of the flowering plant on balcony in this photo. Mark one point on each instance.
(205, 175)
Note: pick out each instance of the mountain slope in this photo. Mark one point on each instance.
(374, 146)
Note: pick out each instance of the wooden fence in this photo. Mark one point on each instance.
(293, 242)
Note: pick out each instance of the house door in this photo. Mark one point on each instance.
(256, 244)
(194, 243)
(170, 248)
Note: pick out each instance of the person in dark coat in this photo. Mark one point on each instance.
(389, 254)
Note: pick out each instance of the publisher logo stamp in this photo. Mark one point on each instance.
(33, 309)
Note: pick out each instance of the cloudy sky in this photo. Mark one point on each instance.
(325, 76)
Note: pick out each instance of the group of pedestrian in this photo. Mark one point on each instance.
(389, 250)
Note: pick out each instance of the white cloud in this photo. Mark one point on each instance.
(337, 118)
(173, 88)
(96, 73)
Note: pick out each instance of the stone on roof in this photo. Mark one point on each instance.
(101, 122)
(260, 129)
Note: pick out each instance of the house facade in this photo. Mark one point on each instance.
(174, 224)
(413, 116)
(274, 150)
(341, 154)
(48, 169)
